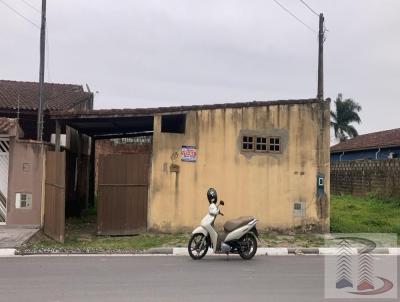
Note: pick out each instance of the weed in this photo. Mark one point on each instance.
(351, 214)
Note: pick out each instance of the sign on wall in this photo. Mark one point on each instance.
(189, 153)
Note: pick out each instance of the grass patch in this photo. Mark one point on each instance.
(80, 233)
(369, 214)
(295, 240)
(86, 241)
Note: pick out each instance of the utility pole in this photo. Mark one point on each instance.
(41, 73)
(321, 38)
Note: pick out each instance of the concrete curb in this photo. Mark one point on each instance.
(303, 251)
(277, 251)
(394, 251)
(182, 251)
(159, 251)
(48, 252)
(261, 251)
(334, 251)
(7, 252)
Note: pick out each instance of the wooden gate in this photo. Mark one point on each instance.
(54, 208)
(122, 194)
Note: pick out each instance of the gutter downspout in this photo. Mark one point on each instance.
(376, 154)
(340, 157)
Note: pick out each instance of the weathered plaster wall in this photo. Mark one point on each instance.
(25, 176)
(264, 185)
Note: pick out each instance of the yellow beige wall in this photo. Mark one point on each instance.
(263, 185)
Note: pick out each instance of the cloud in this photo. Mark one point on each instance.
(161, 53)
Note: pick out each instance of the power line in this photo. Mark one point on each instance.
(310, 8)
(37, 26)
(31, 6)
(19, 14)
(294, 16)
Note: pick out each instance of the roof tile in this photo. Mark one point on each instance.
(25, 95)
(381, 139)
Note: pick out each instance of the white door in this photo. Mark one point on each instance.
(4, 156)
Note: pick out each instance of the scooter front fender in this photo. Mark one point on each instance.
(200, 230)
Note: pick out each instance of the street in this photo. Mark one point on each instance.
(162, 278)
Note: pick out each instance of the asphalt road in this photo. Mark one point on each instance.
(162, 278)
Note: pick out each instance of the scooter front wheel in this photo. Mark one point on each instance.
(198, 246)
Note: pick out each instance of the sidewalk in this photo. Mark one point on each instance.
(12, 237)
(15, 236)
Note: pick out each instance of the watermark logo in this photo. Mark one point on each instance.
(358, 268)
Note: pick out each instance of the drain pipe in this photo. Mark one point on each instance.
(376, 154)
(340, 157)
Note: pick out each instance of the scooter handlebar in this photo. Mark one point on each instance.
(220, 213)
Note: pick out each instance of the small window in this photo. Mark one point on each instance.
(173, 123)
(298, 208)
(274, 144)
(261, 144)
(247, 143)
(23, 201)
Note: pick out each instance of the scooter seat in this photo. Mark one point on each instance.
(233, 224)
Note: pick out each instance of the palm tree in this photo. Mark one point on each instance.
(346, 113)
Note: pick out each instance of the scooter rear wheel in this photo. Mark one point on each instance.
(198, 246)
(248, 247)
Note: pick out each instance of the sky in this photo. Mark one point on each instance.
(151, 53)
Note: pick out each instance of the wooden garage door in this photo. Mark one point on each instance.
(122, 194)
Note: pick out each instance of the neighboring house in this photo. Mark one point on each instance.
(22, 158)
(21, 100)
(377, 145)
(21, 175)
(267, 159)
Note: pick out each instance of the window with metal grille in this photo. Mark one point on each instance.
(261, 144)
(247, 143)
(274, 144)
(23, 201)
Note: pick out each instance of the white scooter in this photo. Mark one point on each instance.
(240, 236)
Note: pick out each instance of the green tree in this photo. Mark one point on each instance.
(346, 113)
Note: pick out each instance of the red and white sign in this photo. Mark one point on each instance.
(189, 153)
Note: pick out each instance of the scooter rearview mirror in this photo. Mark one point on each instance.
(221, 202)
